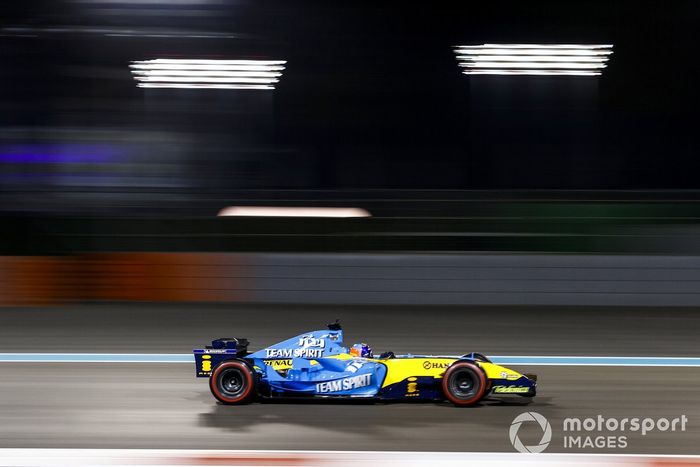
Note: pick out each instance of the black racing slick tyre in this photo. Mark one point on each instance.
(233, 382)
(464, 384)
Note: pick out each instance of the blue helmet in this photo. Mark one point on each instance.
(361, 350)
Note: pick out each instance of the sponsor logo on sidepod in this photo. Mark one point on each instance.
(432, 365)
(345, 384)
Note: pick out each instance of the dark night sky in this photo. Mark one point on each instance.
(373, 98)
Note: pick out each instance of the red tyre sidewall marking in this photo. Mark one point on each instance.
(477, 396)
(215, 387)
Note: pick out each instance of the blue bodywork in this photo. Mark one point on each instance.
(312, 372)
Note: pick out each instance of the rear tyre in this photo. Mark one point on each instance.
(233, 382)
(464, 384)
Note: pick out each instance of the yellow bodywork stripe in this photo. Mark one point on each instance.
(398, 369)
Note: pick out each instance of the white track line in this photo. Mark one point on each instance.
(149, 457)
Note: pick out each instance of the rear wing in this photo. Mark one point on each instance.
(225, 348)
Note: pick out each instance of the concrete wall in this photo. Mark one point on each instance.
(439, 279)
(478, 279)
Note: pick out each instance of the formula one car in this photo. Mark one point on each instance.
(316, 365)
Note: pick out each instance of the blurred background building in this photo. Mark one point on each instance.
(111, 191)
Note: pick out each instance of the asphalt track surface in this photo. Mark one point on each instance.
(154, 405)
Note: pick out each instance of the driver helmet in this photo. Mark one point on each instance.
(361, 350)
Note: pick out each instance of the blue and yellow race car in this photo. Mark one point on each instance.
(317, 365)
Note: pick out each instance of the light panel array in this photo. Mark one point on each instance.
(533, 59)
(288, 211)
(207, 74)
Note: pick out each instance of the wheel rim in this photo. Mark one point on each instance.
(464, 384)
(232, 382)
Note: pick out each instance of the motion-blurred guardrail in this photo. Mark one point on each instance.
(417, 222)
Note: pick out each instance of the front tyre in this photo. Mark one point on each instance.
(232, 382)
(464, 384)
